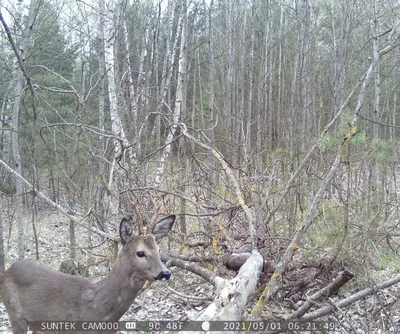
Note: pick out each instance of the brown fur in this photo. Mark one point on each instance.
(33, 292)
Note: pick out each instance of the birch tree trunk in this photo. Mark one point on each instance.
(394, 112)
(228, 87)
(18, 92)
(180, 98)
(6, 109)
(373, 177)
(377, 91)
(102, 85)
(248, 113)
(132, 105)
(342, 47)
(110, 27)
(306, 77)
(212, 70)
(166, 73)
(2, 257)
(281, 78)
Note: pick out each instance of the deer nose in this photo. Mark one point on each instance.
(164, 274)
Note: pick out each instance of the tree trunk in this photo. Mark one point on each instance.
(2, 257)
(373, 178)
(232, 295)
(121, 144)
(212, 71)
(166, 73)
(102, 84)
(72, 241)
(180, 98)
(18, 92)
(248, 144)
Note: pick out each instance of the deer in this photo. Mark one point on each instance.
(33, 292)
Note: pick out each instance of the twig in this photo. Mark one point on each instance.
(193, 258)
(187, 297)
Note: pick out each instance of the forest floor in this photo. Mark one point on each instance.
(162, 301)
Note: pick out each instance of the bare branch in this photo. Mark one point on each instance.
(194, 268)
(327, 291)
(350, 300)
(231, 177)
(57, 206)
(20, 60)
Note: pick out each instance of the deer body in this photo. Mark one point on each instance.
(32, 292)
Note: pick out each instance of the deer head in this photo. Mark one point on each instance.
(142, 252)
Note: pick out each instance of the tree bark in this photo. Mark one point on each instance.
(121, 145)
(102, 87)
(2, 257)
(18, 92)
(180, 98)
(232, 295)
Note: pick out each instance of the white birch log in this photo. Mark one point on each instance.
(232, 295)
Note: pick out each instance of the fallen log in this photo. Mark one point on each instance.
(232, 295)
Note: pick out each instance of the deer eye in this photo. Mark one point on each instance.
(140, 254)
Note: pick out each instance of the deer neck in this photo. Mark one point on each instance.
(117, 291)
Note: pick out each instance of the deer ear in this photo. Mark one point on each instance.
(163, 226)
(125, 230)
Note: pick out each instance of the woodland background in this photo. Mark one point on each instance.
(267, 124)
